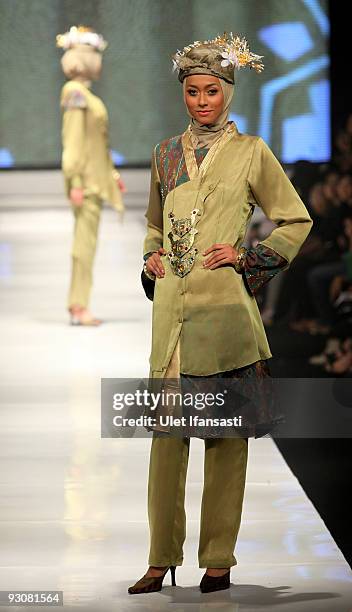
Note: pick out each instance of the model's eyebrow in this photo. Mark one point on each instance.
(207, 85)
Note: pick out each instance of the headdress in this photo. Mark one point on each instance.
(81, 35)
(219, 56)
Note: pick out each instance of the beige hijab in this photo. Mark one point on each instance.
(207, 135)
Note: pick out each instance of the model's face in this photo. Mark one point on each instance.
(204, 98)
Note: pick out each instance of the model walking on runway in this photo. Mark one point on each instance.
(204, 187)
(90, 175)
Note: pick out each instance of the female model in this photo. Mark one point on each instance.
(204, 186)
(89, 172)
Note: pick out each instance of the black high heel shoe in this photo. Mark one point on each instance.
(215, 583)
(152, 583)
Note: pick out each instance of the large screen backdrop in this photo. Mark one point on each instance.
(287, 104)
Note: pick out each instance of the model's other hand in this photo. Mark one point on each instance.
(154, 264)
(76, 196)
(220, 255)
(121, 185)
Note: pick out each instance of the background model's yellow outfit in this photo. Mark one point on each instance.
(86, 163)
(210, 321)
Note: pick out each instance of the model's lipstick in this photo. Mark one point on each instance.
(204, 113)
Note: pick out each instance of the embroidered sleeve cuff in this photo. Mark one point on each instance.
(261, 264)
(148, 286)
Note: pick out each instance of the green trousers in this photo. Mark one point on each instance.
(225, 464)
(84, 244)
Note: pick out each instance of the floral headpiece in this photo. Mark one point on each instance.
(219, 56)
(81, 35)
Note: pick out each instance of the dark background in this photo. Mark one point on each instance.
(323, 467)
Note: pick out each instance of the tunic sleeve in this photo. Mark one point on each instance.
(74, 105)
(154, 238)
(73, 158)
(275, 194)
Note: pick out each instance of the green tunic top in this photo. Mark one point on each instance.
(214, 312)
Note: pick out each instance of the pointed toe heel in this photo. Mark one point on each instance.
(214, 583)
(151, 584)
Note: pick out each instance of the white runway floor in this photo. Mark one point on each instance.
(73, 505)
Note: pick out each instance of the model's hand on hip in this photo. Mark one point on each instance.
(220, 254)
(154, 263)
(76, 196)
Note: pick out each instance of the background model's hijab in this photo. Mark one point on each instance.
(206, 135)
